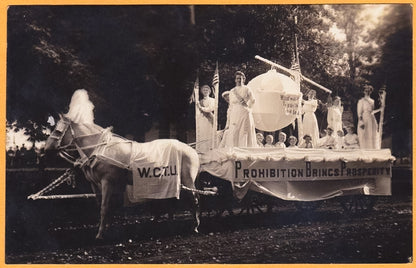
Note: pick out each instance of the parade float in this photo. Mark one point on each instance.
(296, 174)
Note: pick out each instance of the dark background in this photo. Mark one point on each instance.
(139, 63)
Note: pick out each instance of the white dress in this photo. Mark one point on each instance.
(204, 117)
(280, 144)
(241, 131)
(309, 122)
(367, 128)
(334, 118)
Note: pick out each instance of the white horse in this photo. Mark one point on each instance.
(77, 131)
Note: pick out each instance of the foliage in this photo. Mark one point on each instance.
(139, 62)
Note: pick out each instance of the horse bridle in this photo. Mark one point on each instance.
(62, 126)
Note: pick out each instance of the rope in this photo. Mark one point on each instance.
(67, 196)
(68, 177)
(214, 191)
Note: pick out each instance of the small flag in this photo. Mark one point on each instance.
(295, 64)
(216, 78)
(195, 92)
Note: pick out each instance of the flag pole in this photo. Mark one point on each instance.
(215, 84)
(382, 97)
(291, 72)
(196, 100)
(297, 74)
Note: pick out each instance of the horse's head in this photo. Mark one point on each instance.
(61, 137)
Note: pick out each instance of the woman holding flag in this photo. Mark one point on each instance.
(205, 119)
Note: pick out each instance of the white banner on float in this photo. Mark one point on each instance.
(306, 171)
(302, 174)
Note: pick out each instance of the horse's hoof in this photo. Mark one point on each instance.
(196, 230)
(99, 237)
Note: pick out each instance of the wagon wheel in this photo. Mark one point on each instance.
(250, 203)
(357, 204)
(307, 206)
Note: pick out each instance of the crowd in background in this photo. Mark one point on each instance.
(21, 157)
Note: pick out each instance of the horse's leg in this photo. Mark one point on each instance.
(97, 192)
(106, 191)
(196, 210)
(189, 172)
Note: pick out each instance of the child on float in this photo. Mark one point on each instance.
(281, 142)
(339, 140)
(351, 139)
(307, 142)
(260, 139)
(328, 141)
(269, 141)
(292, 142)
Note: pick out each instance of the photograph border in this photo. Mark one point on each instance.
(3, 57)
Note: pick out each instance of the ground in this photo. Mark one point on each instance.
(60, 232)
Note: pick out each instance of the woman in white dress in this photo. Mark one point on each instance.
(241, 131)
(335, 115)
(309, 122)
(367, 129)
(205, 119)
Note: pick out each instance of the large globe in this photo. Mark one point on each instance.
(278, 99)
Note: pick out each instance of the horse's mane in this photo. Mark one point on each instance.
(81, 108)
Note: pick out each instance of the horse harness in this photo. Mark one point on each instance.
(84, 160)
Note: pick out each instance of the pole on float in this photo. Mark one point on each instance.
(292, 72)
(382, 98)
(216, 85)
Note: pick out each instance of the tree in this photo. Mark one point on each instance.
(394, 70)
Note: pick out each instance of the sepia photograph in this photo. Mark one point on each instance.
(209, 134)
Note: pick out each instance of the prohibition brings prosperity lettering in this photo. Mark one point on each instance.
(308, 171)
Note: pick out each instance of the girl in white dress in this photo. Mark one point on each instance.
(310, 124)
(335, 115)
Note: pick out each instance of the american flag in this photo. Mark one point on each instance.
(195, 92)
(295, 64)
(216, 78)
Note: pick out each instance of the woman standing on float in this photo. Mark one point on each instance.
(205, 119)
(335, 115)
(367, 129)
(310, 124)
(241, 132)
